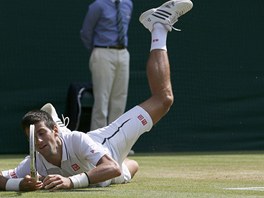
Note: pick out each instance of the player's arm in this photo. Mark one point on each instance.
(18, 179)
(19, 184)
(105, 169)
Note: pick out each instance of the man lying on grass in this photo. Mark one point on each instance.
(67, 160)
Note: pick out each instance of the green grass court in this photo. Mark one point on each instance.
(236, 174)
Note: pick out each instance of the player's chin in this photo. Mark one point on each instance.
(42, 148)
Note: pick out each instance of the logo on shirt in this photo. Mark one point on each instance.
(155, 40)
(92, 151)
(75, 167)
(142, 119)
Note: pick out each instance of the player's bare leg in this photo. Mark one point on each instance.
(132, 166)
(159, 21)
(158, 72)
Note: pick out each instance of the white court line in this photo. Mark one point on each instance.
(247, 188)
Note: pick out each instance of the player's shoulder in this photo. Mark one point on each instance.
(74, 136)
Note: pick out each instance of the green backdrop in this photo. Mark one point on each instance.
(217, 71)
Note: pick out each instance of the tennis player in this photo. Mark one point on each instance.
(67, 160)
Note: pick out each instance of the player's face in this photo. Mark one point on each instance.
(46, 140)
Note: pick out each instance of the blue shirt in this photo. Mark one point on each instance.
(100, 24)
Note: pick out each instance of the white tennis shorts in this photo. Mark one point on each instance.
(122, 134)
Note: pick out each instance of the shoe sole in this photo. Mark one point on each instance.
(186, 6)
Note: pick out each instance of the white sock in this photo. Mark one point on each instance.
(159, 37)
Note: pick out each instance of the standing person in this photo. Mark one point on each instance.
(104, 33)
(69, 160)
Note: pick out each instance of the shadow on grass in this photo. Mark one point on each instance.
(74, 190)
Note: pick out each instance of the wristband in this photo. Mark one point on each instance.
(13, 184)
(80, 180)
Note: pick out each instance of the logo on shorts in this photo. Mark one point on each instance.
(75, 167)
(142, 119)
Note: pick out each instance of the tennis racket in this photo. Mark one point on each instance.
(32, 151)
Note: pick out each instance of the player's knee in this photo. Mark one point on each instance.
(132, 166)
(167, 101)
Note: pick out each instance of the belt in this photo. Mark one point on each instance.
(119, 47)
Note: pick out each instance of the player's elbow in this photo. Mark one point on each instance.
(115, 169)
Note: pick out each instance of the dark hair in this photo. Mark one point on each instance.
(35, 116)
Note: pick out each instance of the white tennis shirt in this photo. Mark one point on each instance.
(81, 152)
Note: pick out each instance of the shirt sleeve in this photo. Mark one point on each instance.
(20, 171)
(90, 21)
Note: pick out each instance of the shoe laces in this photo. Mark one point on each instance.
(174, 20)
(176, 29)
(172, 27)
(65, 121)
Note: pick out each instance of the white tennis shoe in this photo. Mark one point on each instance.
(167, 14)
(62, 126)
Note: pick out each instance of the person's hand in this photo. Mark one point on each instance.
(56, 182)
(30, 184)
